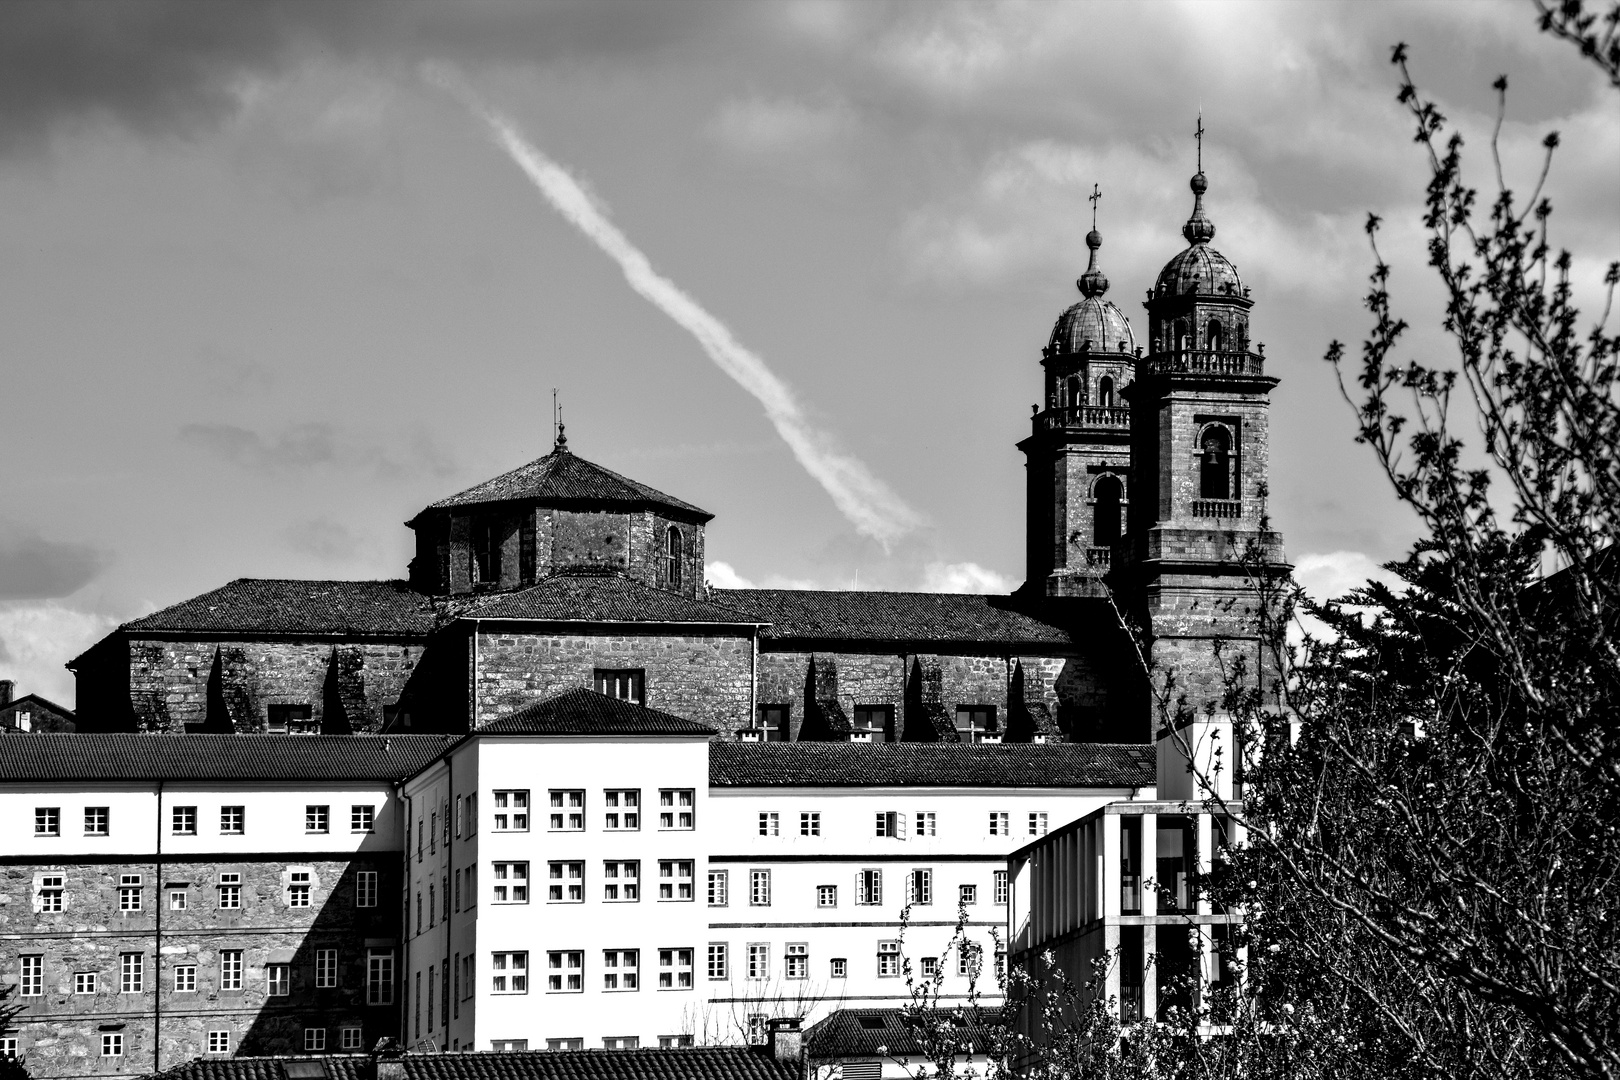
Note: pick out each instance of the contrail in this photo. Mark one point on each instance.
(868, 503)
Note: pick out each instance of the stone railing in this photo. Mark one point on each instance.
(1092, 416)
(1203, 362)
(1217, 508)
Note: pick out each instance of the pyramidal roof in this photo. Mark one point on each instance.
(565, 478)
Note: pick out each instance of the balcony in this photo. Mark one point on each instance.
(1204, 362)
(1217, 508)
(1084, 416)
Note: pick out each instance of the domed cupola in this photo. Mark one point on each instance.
(1200, 270)
(1199, 306)
(1094, 325)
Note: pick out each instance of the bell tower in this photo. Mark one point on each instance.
(1199, 434)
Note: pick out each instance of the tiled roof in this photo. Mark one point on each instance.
(690, 1063)
(562, 478)
(1019, 765)
(827, 615)
(586, 712)
(332, 1066)
(602, 598)
(285, 606)
(217, 757)
(855, 1033)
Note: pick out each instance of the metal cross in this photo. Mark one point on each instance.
(1096, 193)
(1199, 135)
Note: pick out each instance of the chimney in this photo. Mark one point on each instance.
(787, 1041)
(388, 1059)
(6, 686)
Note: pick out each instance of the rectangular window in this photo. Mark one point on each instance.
(621, 881)
(219, 1042)
(621, 1042)
(296, 719)
(95, 820)
(278, 979)
(798, 960)
(485, 563)
(719, 888)
(770, 823)
(674, 969)
(977, 723)
(230, 969)
(131, 973)
(50, 892)
(512, 1046)
(362, 818)
(675, 879)
(759, 888)
(1037, 823)
(759, 960)
(758, 1029)
(31, 975)
(840, 967)
(317, 819)
(433, 832)
(925, 823)
(298, 886)
(920, 886)
(512, 811)
(84, 982)
(675, 808)
(826, 896)
(365, 888)
(810, 824)
(380, 977)
(567, 811)
(1000, 879)
(349, 1039)
(930, 967)
(183, 820)
(185, 978)
(314, 1039)
(621, 969)
(890, 824)
(967, 894)
(511, 882)
(999, 823)
(871, 723)
(626, 684)
(509, 972)
(129, 892)
(47, 821)
(719, 960)
(771, 725)
(8, 1045)
(326, 969)
(888, 959)
(967, 960)
(112, 1044)
(565, 972)
(232, 820)
(623, 809)
(179, 900)
(565, 883)
(564, 1044)
(869, 887)
(674, 1042)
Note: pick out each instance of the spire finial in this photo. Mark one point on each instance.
(1199, 137)
(561, 444)
(1199, 229)
(1095, 197)
(1092, 282)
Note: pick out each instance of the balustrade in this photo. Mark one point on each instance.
(1217, 508)
(1094, 416)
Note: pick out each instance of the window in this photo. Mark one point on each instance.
(674, 969)
(8, 1045)
(674, 879)
(219, 1042)
(131, 973)
(1037, 823)
(672, 558)
(129, 892)
(314, 1039)
(31, 975)
(365, 888)
(1105, 515)
(840, 967)
(759, 888)
(967, 894)
(185, 978)
(891, 824)
(719, 886)
(362, 818)
(183, 820)
(826, 896)
(621, 881)
(888, 958)
(485, 565)
(1214, 466)
(509, 972)
(511, 811)
(298, 884)
(621, 969)
(920, 886)
(565, 972)
(772, 725)
(349, 1038)
(84, 982)
(626, 684)
(759, 960)
(326, 969)
(278, 979)
(798, 960)
(95, 820)
(758, 1029)
(719, 961)
(1105, 391)
(112, 1044)
(929, 967)
(977, 723)
(567, 811)
(433, 831)
(621, 1042)
(967, 959)
(230, 969)
(770, 823)
(179, 900)
(563, 1044)
(1000, 823)
(317, 819)
(926, 821)
(810, 824)
(675, 808)
(379, 977)
(50, 892)
(871, 723)
(623, 809)
(1000, 879)
(232, 820)
(674, 1042)
(47, 821)
(566, 884)
(869, 887)
(291, 720)
(511, 882)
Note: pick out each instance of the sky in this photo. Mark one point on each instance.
(274, 276)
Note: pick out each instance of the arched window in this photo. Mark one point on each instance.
(1105, 391)
(1076, 391)
(1105, 514)
(1215, 466)
(1214, 336)
(1182, 343)
(672, 558)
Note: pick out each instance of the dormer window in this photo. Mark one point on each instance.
(486, 552)
(672, 558)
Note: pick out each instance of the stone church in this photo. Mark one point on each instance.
(1146, 465)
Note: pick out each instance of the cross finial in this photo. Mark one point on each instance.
(1096, 194)
(1199, 136)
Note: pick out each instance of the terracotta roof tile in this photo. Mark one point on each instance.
(563, 478)
(586, 712)
(828, 615)
(856, 1033)
(216, 757)
(602, 598)
(1016, 765)
(692, 1063)
(287, 606)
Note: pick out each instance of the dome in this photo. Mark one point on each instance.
(1094, 323)
(1200, 269)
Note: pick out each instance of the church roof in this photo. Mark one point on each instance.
(834, 615)
(291, 606)
(603, 598)
(1199, 270)
(563, 478)
(1002, 765)
(1093, 323)
(586, 712)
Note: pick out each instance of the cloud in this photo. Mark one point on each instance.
(722, 575)
(305, 447)
(965, 577)
(782, 127)
(325, 539)
(1328, 576)
(34, 568)
(37, 639)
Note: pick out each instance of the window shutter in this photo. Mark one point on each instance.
(900, 825)
(877, 890)
(860, 897)
(911, 890)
